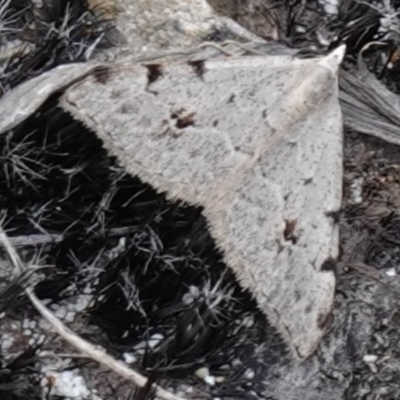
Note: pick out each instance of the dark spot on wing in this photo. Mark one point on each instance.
(324, 320)
(115, 94)
(329, 265)
(177, 114)
(288, 233)
(198, 67)
(309, 308)
(154, 72)
(308, 181)
(102, 74)
(127, 108)
(335, 215)
(183, 118)
(231, 98)
(215, 123)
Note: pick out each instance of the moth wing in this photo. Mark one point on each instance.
(257, 143)
(280, 236)
(184, 127)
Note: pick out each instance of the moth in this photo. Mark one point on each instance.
(256, 141)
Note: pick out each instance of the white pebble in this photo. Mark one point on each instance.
(129, 358)
(82, 303)
(87, 290)
(236, 362)
(391, 272)
(202, 373)
(61, 313)
(70, 317)
(188, 298)
(6, 342)
(356, 191)
(330, 6)
(44, 325)
(155, 340)
(249, 374)
(69, 384)
(370, 358)
(210, 380)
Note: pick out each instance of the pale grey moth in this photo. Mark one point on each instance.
(257, 142)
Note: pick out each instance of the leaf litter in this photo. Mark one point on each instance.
(111, 233)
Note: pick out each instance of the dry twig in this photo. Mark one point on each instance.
(80, 344)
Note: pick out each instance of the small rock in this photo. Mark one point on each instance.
(61, 313)
(155, 340)
(370, 358)
(249, 374)
(202, 373)
(129, 358)
(210, 380)
(70, 317)
(391, 272)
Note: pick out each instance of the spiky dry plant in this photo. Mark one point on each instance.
(353, 22)
(37, 36)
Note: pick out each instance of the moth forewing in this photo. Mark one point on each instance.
(297, 183)
(258, 145)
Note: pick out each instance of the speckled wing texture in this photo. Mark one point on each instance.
(257, 142)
